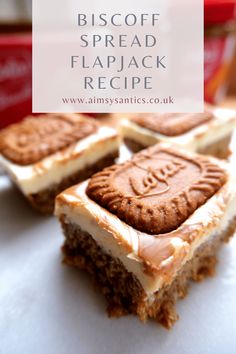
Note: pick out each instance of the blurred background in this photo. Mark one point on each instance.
(16, 56)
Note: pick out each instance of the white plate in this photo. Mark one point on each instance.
(48, 308)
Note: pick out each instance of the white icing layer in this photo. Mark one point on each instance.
(54, 168)
(122, 241)
(194, 140)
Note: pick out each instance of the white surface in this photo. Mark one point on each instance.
(48, 308)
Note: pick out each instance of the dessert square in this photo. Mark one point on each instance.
(44, 155)
(145, 228)
(206, 133)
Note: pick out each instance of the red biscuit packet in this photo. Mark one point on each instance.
(15, 77)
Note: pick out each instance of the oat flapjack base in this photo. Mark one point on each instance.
(47, 154)
(138, 270)
(123, 292)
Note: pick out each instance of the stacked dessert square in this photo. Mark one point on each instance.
(206, 133)
(146, 227)
(46, 154)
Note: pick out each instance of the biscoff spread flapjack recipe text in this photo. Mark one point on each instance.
(110, 39)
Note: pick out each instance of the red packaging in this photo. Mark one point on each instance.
(15, 77)
(220, 37)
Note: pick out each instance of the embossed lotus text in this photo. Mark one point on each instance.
(153, 177)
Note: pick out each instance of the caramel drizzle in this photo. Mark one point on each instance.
(153, 177)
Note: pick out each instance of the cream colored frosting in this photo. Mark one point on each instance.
(194, 140)
(122, 241)
(52, 169)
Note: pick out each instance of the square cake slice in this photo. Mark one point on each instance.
(44, 155)
(206, 133)
(145, 228)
